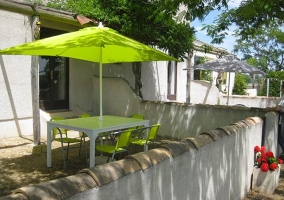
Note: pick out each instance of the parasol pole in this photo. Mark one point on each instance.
(101, 87)
(228, 92)
(101, 79)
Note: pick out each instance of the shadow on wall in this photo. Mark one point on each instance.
(150, 74)
(199, 167)
(179, 120)
(118, 97)
(10, 104)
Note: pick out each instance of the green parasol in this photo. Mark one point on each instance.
(97, 44)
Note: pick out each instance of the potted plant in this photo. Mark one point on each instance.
(266, 173)
(265, 160)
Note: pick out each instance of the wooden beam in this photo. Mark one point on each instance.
(35, 87)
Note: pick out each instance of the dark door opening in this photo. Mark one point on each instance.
(53, 78)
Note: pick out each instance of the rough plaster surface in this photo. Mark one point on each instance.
(15, 78)
(212, 171)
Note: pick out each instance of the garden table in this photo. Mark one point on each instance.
(92, 126)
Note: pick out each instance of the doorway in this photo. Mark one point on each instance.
(53, 78)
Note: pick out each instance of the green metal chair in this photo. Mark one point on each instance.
(122, 141)
(137, 116)
(152, 133)
(60, 135)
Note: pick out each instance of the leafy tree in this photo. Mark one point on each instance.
(240, 84)
(265, 49)
(275, 78)
(248, 78)
(202, 74)
(248, 17)
(143, 20)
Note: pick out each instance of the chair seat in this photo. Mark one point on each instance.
(152, 132)
(60, 135)
(108, 149)
(138, 141)
(122, 141)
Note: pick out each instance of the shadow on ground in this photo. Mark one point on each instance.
(19, 167)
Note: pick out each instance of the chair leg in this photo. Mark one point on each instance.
(62, 148)
(67, 152)
(145, 147)
(112, 157)
(80, 145)
(85, 149)
(83, 140)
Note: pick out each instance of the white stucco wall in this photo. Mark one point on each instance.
(213, 171)
(204, 92)
(15, 77)
(178, 121)
(153, 78)
(80, 84)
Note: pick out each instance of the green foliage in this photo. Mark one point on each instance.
(206, 75)
(248, 18)
(202, 74)
(150, 22)
(248, 78)
(264, 50)
(240, 84)
(275, 78)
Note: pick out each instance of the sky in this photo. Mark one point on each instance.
(201, 35)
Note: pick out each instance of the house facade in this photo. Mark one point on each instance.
(52, 85)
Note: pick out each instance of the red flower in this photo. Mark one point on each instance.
(264, 167)
(265, 160)
(263, 157)
(273, 166)
(262, 149)
(256, 149)
(270, 154)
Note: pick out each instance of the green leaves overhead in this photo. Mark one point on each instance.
(265, 46)
(150, 22)
(248, 17)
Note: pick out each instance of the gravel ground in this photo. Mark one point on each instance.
(19, 167)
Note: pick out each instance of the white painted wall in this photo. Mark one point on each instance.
(204, 92)
(15, 77)
(213, 171)
(178, 120)
(80, 84)
(15, 83)
(154, 79)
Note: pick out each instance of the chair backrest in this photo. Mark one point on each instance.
(123, 139)
(138, 116)
(55, 130)
(153, 132)
(84, 115)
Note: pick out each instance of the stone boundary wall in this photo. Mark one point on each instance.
(216, 164)
(178, 120)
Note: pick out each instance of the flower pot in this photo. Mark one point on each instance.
(265, 182)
